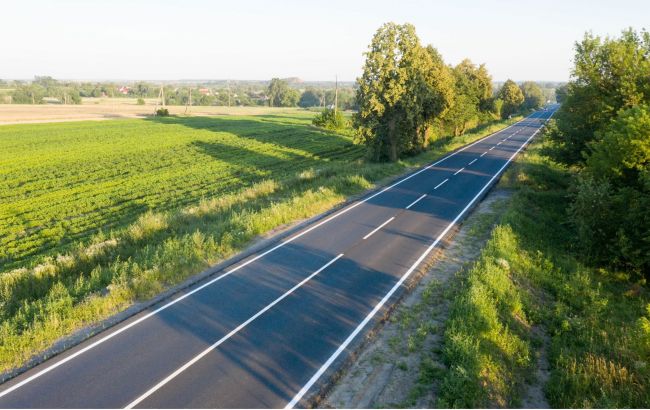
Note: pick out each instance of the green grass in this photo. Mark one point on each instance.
(95, 216)
(529, 276)
(60, 182)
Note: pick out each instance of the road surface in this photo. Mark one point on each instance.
(265, 332)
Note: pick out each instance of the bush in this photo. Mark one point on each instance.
(162, 112)
(140, 101)
(330, 119)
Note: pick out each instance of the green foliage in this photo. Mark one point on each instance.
(28, 94)
(512, 98)
(612, 198)
(608, 75)
(140, 101)
(281, 95)
(603, 126)
(162, 112)
(561, 93)
(404, 87)
(330, 119)
(529, 281)
(472, 96)
(533, 96)
(311, 98)
(622, 150)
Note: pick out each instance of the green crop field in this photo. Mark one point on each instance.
(61, 183)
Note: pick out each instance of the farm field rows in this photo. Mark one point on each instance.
(60, 183)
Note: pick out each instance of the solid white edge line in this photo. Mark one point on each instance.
(416, 201)
(440, 184)
(378, 228)
(232, 270)
(457, 172)
(381, 303)
(228, 336)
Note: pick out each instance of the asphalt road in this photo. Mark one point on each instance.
(263, 333)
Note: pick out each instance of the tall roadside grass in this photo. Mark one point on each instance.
(113, 270)
(530, 281)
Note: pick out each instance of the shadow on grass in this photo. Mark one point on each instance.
(268, 129)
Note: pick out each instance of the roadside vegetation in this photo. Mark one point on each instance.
(566, 269)
(408, 96)
(530, 283)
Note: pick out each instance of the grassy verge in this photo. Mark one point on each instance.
(529, 281)
(109, 272)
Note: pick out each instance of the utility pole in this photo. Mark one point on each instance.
(189, 101)
(228, 83)
(336, 94)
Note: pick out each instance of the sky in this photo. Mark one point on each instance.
(312, 40)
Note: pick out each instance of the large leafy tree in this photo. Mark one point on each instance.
(622, 151)
(561, 93)
(311, 98)
(612, 199)
(533, 95)
(512, 98)
(281, 94)
(472, 95)
(475, 82)
(608, 75)
(402, 88)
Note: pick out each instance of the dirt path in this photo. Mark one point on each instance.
(401, 365)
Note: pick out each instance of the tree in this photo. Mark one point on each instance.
(475, 82)
(330, 119)
(289, 98)
(28, 94)
(461, 113)
(512, 98)
(561, 93)
(473, 97)
(281, 95)
(311, 98)
(402, 88)
(45, 81)
(612, 197)
(434, 94)
(533, 95)
(608, 75)
(143, 90)
(622, 151)
(346, 98)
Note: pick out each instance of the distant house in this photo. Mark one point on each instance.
(204, 91)
(124, 90)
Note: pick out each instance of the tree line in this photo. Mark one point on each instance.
(276, 93)
(408, 96)
(603, 131)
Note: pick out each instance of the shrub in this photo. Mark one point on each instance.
(330, 119)
(140, 101)
(162, 112)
